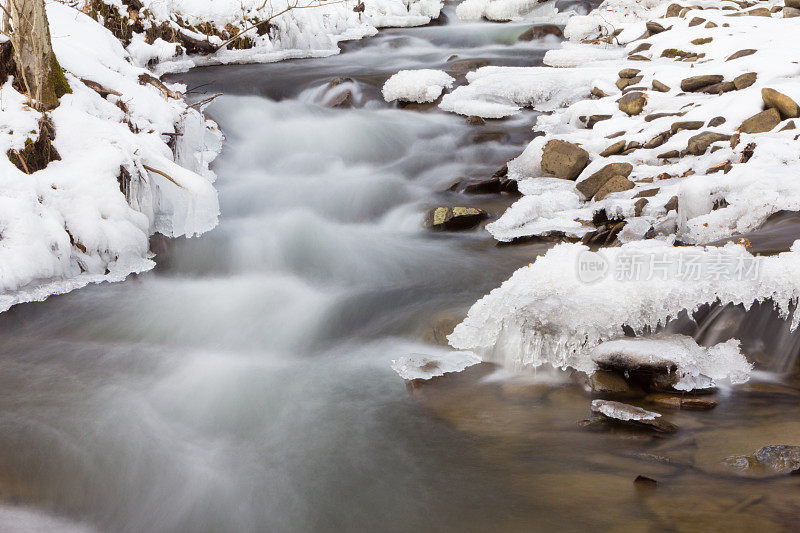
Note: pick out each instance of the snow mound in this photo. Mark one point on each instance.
(425, 366)
(556, 310)
(87, 217)
(697, 367)
(312, 29)
(421, 86)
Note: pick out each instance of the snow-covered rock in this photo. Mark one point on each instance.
(558, 309)
(427, 366)
(421, 86)
(695, 366)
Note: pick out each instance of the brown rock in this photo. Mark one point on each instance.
(538, 32)
(789, 126)
(658, 140)
(654, 27)
(686, 125)
(761, 122)
(671, 205)
(615, 184)
(639, 206)
(599, 93)
(696, 21)
(716, 121)
(564, 159)
(591, 185)
(647, 193)
(745, 80)
(594, 119)
(786, 106)
(454, 218)
(700, 143)
(475, 121)
(696, 83)
(660, 87)
(632, 103)
(742, 53)
(669, 155)
(710, 25)
(638, 57)
(759, 12)
(692, 403)
(790, 12)
(629, 73)
(674, 10)
(614, 149)
(719, 88)
(702, 40)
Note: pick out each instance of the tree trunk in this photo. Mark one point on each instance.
(37, 66)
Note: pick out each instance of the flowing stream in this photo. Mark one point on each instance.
(245, 385)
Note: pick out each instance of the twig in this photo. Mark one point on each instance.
(319, 3)
(21, 160)
(205, 101)
(151, 169)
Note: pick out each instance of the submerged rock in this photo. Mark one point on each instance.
(454, 218)
(768, 461)
(674, 401)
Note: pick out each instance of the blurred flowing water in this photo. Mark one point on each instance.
(245, 385)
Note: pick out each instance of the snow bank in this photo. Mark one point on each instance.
(557, 310)
(87, 217)
(422, 86)
(313, 30)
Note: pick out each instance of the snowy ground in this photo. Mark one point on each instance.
(300, 28)
(70, 223)
(694, 160)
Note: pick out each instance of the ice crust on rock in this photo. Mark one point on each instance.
(548, 313)
(427, 366)
(621, 411)
(697, 367)
(421, 86)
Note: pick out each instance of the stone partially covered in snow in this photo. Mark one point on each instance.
(555, 311)
(421, 86)
(622, 413)
(427, 366)
(677, 359)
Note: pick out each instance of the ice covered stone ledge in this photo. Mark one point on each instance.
(134, 160)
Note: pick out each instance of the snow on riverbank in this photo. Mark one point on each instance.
(70, 223)
(667, 123)
(264, 31)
